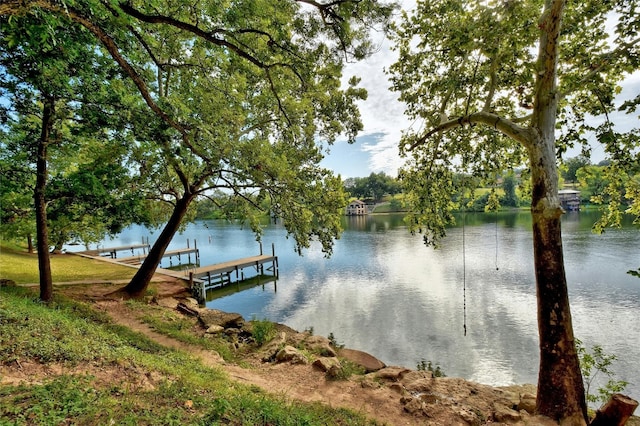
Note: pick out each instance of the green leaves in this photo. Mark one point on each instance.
(594, 363)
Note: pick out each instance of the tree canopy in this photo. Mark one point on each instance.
(500, 84)
(241, 97)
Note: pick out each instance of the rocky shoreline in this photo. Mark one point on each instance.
(420, 393)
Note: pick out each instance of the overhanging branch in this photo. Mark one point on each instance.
(520, 134)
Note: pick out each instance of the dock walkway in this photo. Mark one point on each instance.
(220, 274)
(133, 260)
(113, 251)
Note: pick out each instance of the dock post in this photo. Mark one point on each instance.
(260, 248)
(195, 246)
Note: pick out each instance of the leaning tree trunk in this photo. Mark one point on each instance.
(42, 233)
(142, 278)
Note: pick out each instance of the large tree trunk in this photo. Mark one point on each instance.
(142, 278)
(561, 394)
(42, 232)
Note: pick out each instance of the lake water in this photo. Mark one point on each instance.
(385, 293)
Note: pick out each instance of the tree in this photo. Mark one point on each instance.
(243, 94)
(374, 186)
(468, 69)
(509, 184)
(37, 75)
(572, 165)
(59, 91)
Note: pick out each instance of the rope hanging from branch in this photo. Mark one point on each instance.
(496, 222)
(464, 274)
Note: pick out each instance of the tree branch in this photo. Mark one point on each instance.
(507, 127)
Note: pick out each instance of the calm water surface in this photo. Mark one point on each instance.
(385, 293)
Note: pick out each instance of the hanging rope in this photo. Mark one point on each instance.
(464, 274)
(497, 240)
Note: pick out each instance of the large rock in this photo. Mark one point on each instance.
(527, 403)
(504, 414)
(292, 355)
(325, 364)
(418, 381)
(209, 317)
(320, 345)
(363, 359)
(391, 374)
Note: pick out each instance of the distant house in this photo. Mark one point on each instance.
(356, 208)
(569, 199)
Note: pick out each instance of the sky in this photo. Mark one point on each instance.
(376, 148)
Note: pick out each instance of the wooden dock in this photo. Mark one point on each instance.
(113, 251)
(179, 253)
(221, 274)
(137, 259)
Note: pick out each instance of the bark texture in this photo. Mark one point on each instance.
(142, 278)
(561, 394)
(42, 232)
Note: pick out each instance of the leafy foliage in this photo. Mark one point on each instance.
(594, 363)
(263, 331)
(375, 186)
(89, 190)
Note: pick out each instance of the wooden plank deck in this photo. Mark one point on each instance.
(219, 274)
(112, 251)
(232, 265)
(169, 253)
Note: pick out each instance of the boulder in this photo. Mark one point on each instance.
(272, 348)
(209, 317)
(504, 414)
(363, 359)
(324, 364)
(292, 355)
(320, 345)
(214, 329)
(527, 403)
(418, 381)
(391, 374)
(167, 302)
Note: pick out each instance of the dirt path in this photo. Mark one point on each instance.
(436, 402)
(296, 382)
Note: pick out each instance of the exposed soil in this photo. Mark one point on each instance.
(427, 401)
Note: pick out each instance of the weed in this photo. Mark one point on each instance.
(263, 331)
(592, 363)
(334, 342)
(436, 371)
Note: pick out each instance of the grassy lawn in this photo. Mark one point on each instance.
(107, 374)
(22, 267)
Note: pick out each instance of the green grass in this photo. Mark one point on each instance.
(181, 328)
(113, 360)
(22, 267)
